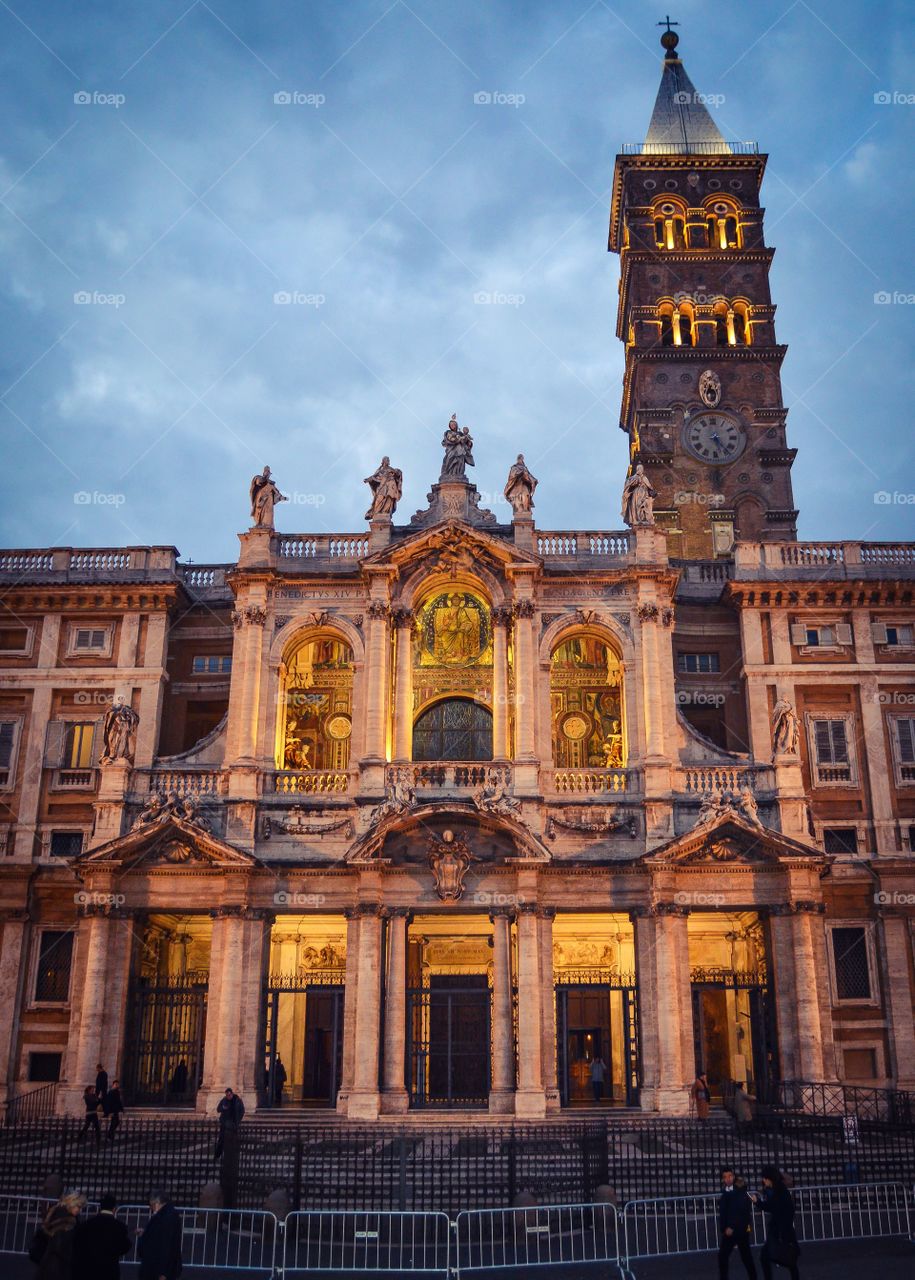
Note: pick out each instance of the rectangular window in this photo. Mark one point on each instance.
(840, 840)
(850, 961)
(212, 664)
(78, 745)
(696, 663)
(831, 751)
(55, 953)
(899, 635)
(44, 1068)
(87, 638)
(9, 736)
(14, 639)
(65, 844)
(904, 748)
(821, 635)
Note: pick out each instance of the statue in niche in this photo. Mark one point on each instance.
(119, 732)
(264, 497)
(638, 499)
(710, 388)
(519, 488)
(785, 728)
(458, 445)
(449, 858)
(386, 485)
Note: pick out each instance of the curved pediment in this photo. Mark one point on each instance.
(401, 838)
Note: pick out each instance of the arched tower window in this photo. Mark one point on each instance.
(685, 330)
(723, 226)
(741, 324)
(722, 338)
(666, 316)
(317, 706)
(670, 226)
(586, 690)
(452, 677)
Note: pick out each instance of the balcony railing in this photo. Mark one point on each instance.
(832, 559)
(73, 779)
(581, 545)
(701, 780)
(81, 564)
(326, 546)
(590, 782)
(690, 148)
(310, 782)
(447, 776)
(187, 782)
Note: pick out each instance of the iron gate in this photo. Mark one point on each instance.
(448, 1049)
(310, 1071)
(165, 1037)
(599, 983)
(760, 1017)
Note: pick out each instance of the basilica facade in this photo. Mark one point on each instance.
(458, 812)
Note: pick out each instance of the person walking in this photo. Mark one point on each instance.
(101, 1082)
(91, 1103)
(100, 1243)
(113, 1108)
(230, 1111)
(735, 1224)
(52, 1247)
(702, 1095)
(159, 1245)
(598, 1075)
(777, 1203)
(279, 1080)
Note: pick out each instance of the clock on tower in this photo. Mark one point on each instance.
(702, 399)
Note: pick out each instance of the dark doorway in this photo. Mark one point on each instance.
(455, 729)
(323, 1044)
(589, 1017)
(303, 1043)
(165, 1034)
(449, 1030)
(734, 1021)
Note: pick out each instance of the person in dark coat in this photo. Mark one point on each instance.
(279, 1080)
(59, 1230)
(100, 1243)
(101, 1082)
(230, 1110)
(90, 1102)
(735, 1224)
(178, 1084)
(113, 1107)
(781, 1244)
(159, 1245)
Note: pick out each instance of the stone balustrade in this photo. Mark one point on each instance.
(81, 564)
(320, 546)
(700, 780)
(582, 545)
(310, 782)
(590, 782)
(188, 782)
(446, 776)
(767, 560)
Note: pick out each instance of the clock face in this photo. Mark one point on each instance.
(714, 437)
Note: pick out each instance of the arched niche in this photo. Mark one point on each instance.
(587, 714)
(315, 720)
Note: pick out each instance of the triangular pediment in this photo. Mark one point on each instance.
(732, 841)
(450, 547)
(171, 842)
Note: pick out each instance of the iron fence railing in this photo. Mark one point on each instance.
(32, 1105)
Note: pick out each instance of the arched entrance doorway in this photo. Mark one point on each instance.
(454, 729)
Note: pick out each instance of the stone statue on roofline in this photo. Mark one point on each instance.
(386, 485)
(458, 445)
(519, 488)
(638, 499)
(264, 497)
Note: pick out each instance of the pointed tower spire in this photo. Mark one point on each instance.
(681, 123)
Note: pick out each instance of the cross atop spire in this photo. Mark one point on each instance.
(681, 122)
(670, 39)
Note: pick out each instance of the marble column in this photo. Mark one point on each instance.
(783, 984)
(250, 1060)
(376, 662)
(500, 622)
(674, 1007)
(31, 754)
(394, 1097)
(12, 975)
(224, 1025)
(93, 940)
(350, 995)
(250, 621)
(896, 940)
(525, 699)
(807, 998)
(403, 710)
(643, 933)
(530, 1100)
(501, 1094)
(364, 1101)
(548, 1009)
(651, 682)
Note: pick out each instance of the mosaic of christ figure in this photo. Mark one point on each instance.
(456, 632)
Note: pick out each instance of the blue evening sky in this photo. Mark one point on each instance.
(383, 197)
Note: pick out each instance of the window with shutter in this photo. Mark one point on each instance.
(798, 633)
(904, 743)
(832, 752)
(899, 635)
(55, 738)
(843, 633)
(879, 632)
(851, 963)
(78, 748)
(7, 741)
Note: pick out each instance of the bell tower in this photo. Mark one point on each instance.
(702, 399)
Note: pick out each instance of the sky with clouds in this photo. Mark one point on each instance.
(241, 233)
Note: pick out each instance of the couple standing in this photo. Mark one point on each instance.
(735, 1224)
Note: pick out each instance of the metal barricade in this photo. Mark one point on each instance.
(20, 1218)
(362, 1240)
(223, 1239)
(689, 1224)
(544, 1235)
